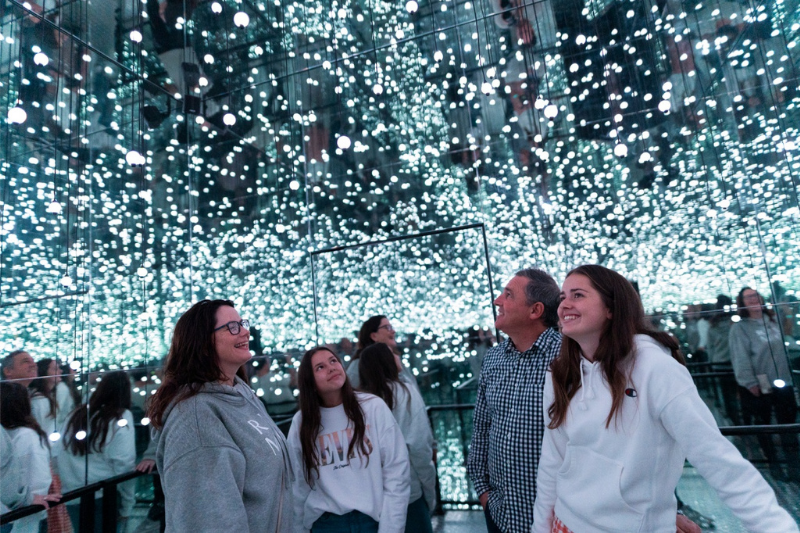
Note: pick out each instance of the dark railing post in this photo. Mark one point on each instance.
(110, 507)
(87, 513)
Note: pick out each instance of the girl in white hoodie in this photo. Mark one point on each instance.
(349, 457)
(31, 451)
(99, 443)
(380, 375)
(622, 414)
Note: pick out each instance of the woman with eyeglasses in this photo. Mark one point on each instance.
(762, 372)
(350, 460)
(377, 328)
(224, 464)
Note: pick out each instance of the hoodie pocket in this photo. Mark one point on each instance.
(588, 485)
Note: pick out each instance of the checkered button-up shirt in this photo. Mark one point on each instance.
(508, 427)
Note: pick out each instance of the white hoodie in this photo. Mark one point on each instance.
(409, 411)
(378, 488)
(33, 461)
(623, 478)
(118, 456)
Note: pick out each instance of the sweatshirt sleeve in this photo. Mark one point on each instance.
(736, 481)
(120, 452)
(216, 471)
(13, 491)
(64, 403)
(554, 447)
(395, 468)
(34, 461)
(413, 422)
(739, 345)
(300, 489)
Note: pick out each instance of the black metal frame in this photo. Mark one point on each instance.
(86, 495)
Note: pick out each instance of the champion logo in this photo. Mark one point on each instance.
(630, 393)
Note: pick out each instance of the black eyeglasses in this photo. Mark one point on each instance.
(235, 327)
(387, 327)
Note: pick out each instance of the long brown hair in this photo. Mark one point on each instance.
(107, 404)
(192, 361)
(616, 343)
(377, 371)
(39, 386)
(370, 326)
(15, 410)
(311, 420)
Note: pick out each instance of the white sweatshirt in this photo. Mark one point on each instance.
(378, 488)
(64, 403)
(33, 462)
(409, 411)
(623, 478)
(118, 456)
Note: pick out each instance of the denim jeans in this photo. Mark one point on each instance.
(352, 522)
(418, 517)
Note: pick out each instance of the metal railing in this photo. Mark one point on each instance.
(727, 431)
(87, 509)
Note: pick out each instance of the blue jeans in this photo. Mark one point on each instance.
(352, 522)
(418, 517)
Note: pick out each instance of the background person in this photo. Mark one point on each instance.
(350, 459)
(623, 416)
(19, 367)
(760, 365)
(205, 413)
(98, 443)
(379, 376)
(30, 449)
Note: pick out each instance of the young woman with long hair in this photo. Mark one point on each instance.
(99, 442)
(31, 450)
(379, 376)
(223, 462)
(350, 460)
(622, 415)
(43, 395)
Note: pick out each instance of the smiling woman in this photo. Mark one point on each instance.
(206, 414)
(349, 457)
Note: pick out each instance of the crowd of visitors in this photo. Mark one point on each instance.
(583, 420)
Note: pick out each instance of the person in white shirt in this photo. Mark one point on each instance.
(43, 395)
(380, 375)
(98, 443)
(30, 450)
(623, 417)
(348, 454)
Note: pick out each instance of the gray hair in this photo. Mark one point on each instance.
(542, 288)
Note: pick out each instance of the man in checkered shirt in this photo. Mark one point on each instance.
(508, 423)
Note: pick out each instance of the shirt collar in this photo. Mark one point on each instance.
(543, 343)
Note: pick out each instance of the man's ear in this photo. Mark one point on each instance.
(537, 310)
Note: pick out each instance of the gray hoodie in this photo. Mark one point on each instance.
(757, 348)
(224, 464)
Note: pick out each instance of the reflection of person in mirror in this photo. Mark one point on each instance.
(623, 415)
(381, 377)
(43, 395)
(378, 328)
(30, 450)
(762, 371)
(19, 367)
(107, 447)
(205, 413)
(348, 454)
